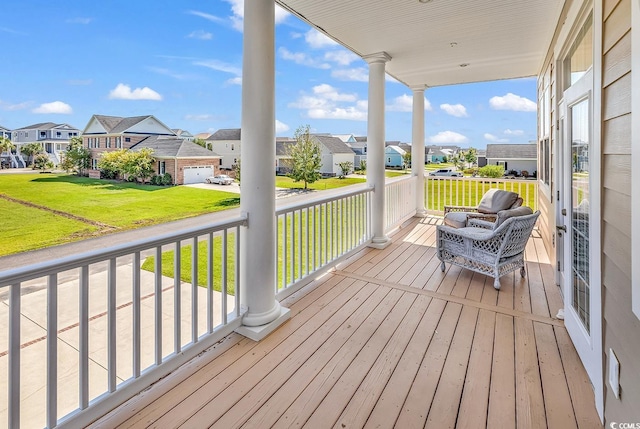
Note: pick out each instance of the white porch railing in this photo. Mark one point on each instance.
(468, 191)
(313, 235)
(125, 322)
(400, 201)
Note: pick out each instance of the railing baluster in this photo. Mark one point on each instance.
(83, 330)
(14, 356)
(283, 251)
(158, 304)
(136, 315)
(307, 252)
(111, 321)
(177, 297)
(52, 351)
(223, 276)
(210, 282)
(194, 290)
(299, 243)
(293, 248)
(315, 243)
(236, 280)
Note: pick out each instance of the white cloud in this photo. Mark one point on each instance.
(201, 117)
(13, 107)
(237, 8)
(206, 16)
(124, 92)
(330, 93)
(318, 40)
(219, 66)
(328, 103)
(54, 107)
(301, 58)
(169, 73)
(404, 103)
(513, 132)
(445, 137)
(495, 139)
(83, 21)
(234, 81)
(359, 74)
(341, 57)
(512, 102)
(281, 127)
(200, 34)
(457, 110)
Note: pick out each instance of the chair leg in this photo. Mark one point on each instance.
(496, 283)
(442, 267)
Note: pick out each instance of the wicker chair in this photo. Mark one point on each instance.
(494, 252)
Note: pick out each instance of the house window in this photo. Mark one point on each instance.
(127, 139)
(635, 159)
(94, 163)
(97, 142)
(58, 134)
(107, 142)
(43, 134)
(544, 128)
(161, 167)
(580, 57)
(119, 142)
(232, 146)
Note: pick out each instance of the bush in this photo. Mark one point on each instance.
(491, 171)
(524, 173)
(156, 180)
(470, 171)
(166, 179)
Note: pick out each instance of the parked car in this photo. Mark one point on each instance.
(448, 172)
(221, 179)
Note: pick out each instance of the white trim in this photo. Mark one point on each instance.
(635, 157)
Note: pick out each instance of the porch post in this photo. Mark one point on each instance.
(258, 154)
(417, 148)
(375, 146)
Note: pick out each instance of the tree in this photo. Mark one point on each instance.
(363, 166)
(471, 156)
(111, 164)
(78, 157)
(305, 156)
(201, 142)
(42, 162)
(346, 167)
(406, 160)
(138, 165)
(31, 150)
(6, 145)
(236, 170)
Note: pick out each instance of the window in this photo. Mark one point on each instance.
(94, 163)
(119, 142)
(544, 128)
(635, 158)
(232, 146)
(43, 134)
(58, 134)
(127, 139)
(107, 142)
(97, 142)
(580, 57)
(161, 167)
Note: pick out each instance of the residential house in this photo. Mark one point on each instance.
(6, 158)
(186, 161)
(393, 156)
(436, 154)
(111, 133)
(347, 138)
(359, 147)
(518, 157)
(226, 143)
(184, 134)
(283, 159)
(333, 151)
(54, 139)
(482, 157)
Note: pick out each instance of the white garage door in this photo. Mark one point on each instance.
(197, 174)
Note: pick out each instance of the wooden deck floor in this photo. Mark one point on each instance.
(388, 340)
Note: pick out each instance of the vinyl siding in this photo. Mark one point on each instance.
(621, 328)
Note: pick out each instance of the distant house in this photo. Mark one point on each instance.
(437, 154)
(183, 134)
(186, 161)
(226, 143)
(53, 137)
(202, 136)
(6, 158)
(393, 156)
(333, 152)
(359, 147)
(482, 157)
(283, 159)
(346, 138)
(516, 157)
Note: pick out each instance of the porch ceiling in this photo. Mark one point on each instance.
(497, 39)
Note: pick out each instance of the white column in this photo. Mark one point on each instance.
(258, 154)
(375, 145)
(417, 148)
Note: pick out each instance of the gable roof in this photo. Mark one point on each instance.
(512, 151)
(120, 125)
(202, 136)
(283, 145)
(39, 126)
(396, 149)
(226, 134)
(333, 144)
(361, 139)
(169, 147)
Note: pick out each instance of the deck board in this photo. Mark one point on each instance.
(388, 340)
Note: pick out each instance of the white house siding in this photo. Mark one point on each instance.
(341, 157)
(229, 150)
(529, 165)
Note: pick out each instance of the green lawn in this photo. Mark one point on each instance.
(26, 228)
(123, 205)
(320, 185)
(470, 192)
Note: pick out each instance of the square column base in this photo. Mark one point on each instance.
(380, 243)
(257, 333)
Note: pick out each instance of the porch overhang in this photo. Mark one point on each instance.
(438, 42)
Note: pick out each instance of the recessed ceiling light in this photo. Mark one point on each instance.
(425, 1)
(453, 44)
(464, 64)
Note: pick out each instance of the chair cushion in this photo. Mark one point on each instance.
(506, 214)
(495, 200)
(456, 219)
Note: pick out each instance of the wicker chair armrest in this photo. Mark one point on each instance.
(448, 209)
(488, 217)
(480, 223)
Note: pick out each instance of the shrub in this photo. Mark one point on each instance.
(524, 173)
(491, 171)
(470, 171)
(156, 180)
(166, 179)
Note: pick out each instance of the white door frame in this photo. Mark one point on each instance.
(587, 343)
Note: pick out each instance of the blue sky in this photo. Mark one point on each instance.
(182, 62)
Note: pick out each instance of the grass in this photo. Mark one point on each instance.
(469, 193)
(123, 205)
(26, 228)
(320, 185)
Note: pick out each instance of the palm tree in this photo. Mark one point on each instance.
(5, 145)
